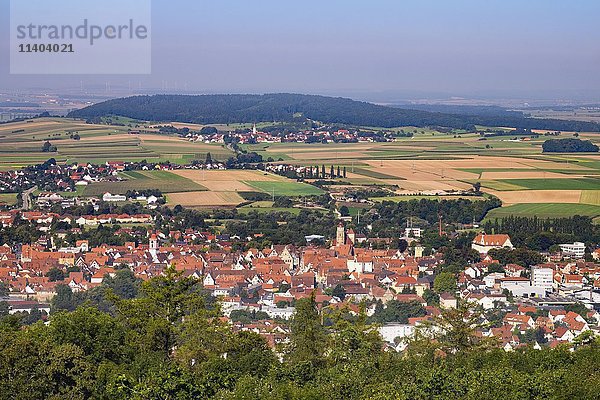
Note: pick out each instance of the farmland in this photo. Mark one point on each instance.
(431, 163)
(545, 210)
(164, 181)
(21, 144)
(204, 199)
(556, 184)
(291, 189)
(527, 181)
(266, 207)
(224, 187)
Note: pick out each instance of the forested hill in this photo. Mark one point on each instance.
(212, 109)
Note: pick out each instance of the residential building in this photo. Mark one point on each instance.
(573, 250)
(542, 277)
(484, 243)
(113, 197)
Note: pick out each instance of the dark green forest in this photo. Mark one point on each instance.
(283, 107)
(569, 145)
(168, 342)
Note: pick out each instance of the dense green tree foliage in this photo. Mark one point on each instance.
(444, 282)
(540, 234)
(569, 145)
(397, 311)
(524, 257)
(388, 218)
(167, 342)
(284, 227)
(213, 109)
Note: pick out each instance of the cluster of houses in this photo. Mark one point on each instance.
(254, 136)
(58, 177)
(271, 280)
(8, 218)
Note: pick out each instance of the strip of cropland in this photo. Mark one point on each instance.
(225, 186)
(77, 141)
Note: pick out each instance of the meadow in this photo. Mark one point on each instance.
(204, 199)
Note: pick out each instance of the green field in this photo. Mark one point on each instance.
(500, 185)
(548, 210)
(164, 181)
(555, 184)
(291, 189)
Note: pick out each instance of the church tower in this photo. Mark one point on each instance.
(340, 235)
(153, 243)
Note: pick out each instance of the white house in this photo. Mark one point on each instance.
(448, 300)
(491, 279)
(389, 332)
(412, 232)
(484, 243)
(113, 197)
(490, 301)
(276, 312)
(27, 306)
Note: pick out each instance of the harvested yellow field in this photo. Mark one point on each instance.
(490, 162)
(181, 125)
(538, 196)
(590, 197)
(203, 176)
(421, 170)
(204, 199)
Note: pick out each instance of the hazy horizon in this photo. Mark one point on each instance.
(382, 51)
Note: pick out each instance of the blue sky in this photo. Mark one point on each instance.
(387, 48)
